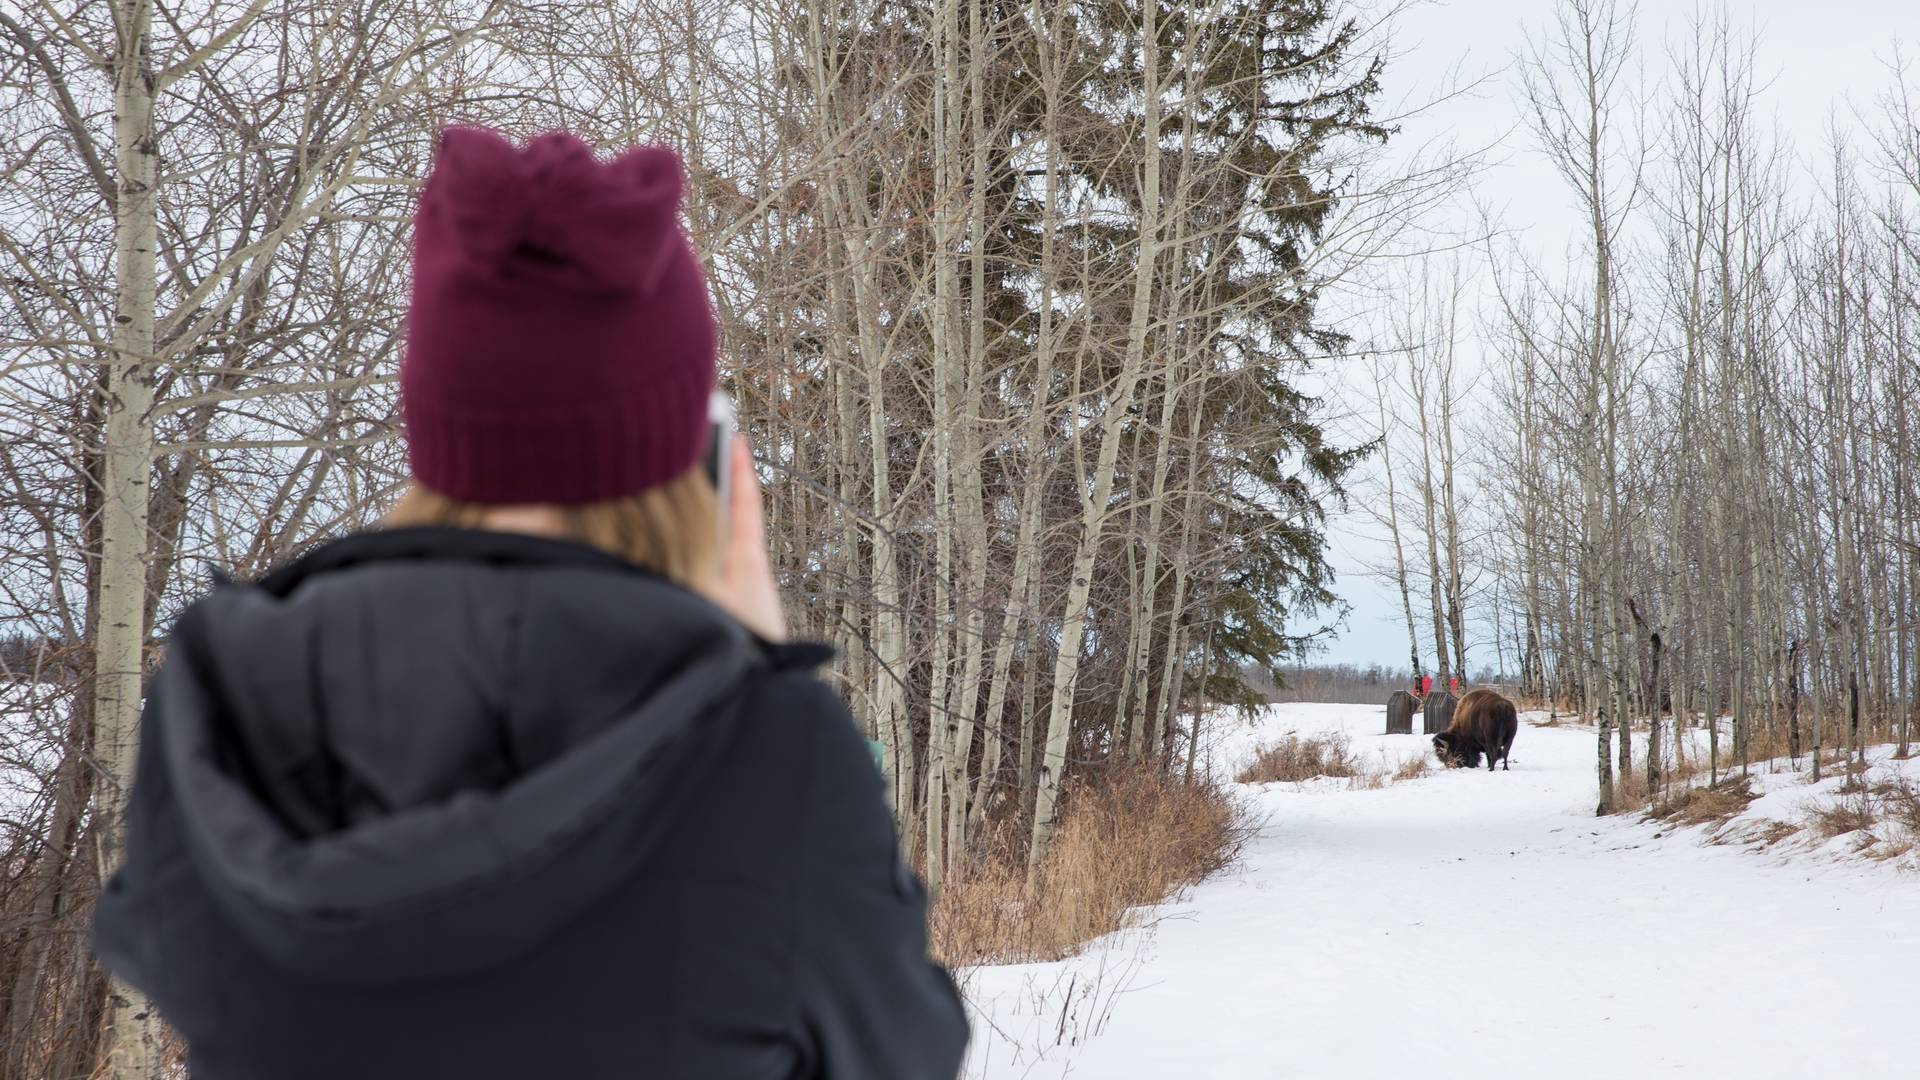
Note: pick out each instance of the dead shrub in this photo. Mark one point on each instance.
(1712, 805)
(1294, 759)
(1840, 817)
(1900, 803)
(1129, 838)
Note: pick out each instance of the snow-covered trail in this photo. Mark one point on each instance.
(1479, 925)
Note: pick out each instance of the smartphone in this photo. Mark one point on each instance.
(718, 461)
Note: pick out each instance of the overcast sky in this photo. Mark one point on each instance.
(1823, 65)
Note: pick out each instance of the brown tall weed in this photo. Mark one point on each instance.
(1128, 838)
(1294, 759)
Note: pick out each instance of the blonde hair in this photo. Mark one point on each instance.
(672, 529)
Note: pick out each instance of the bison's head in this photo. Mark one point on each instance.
(1455, 752)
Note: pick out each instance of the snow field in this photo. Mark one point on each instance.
(1468, 924)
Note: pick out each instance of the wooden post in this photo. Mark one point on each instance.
(1400, 713)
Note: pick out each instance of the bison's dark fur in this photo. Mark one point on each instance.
(1483, 723)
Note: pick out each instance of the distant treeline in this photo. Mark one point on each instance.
(1350, 683)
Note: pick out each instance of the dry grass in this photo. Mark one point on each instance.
(1881, 817)
(1775, 831)
(1763, 744)
(1842, 816)
(1630, 792)
(1294, 759)
(1885, 815)
(1413, 768)
(1888, 850)
(1677, 780)
(1713, 805)
(1128, 839)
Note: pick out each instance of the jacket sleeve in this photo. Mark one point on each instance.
(873, 1005)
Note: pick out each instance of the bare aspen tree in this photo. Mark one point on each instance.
(942, 728)
(1094, 509)
(1572, 90)
(1423, 406)
(1724, 414)
(970, 510)
(1046, 32)
(126, 461)
(1449, 504)
(1393, 520)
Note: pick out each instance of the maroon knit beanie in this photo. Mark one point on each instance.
(560, 343)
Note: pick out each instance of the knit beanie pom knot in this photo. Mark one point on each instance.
(553, 213)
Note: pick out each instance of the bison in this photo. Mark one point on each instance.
(1483, 723)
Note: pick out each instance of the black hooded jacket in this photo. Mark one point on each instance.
(437, 802)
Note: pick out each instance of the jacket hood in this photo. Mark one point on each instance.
(418, 753)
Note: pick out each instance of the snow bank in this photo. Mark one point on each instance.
(1782, 820)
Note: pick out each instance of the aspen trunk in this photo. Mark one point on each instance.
(126, 469)
(1793, 704)
(1094, 507)
(1443, 664)
(889, 633)
(1140, 735)
(1450, 515)
(1605, 768)
(1173, 664)
(942, 725)
(1029, 715)
(970, 508)
(1815, 718)
(1393, 527)
(1026, 541)
(847, 207)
